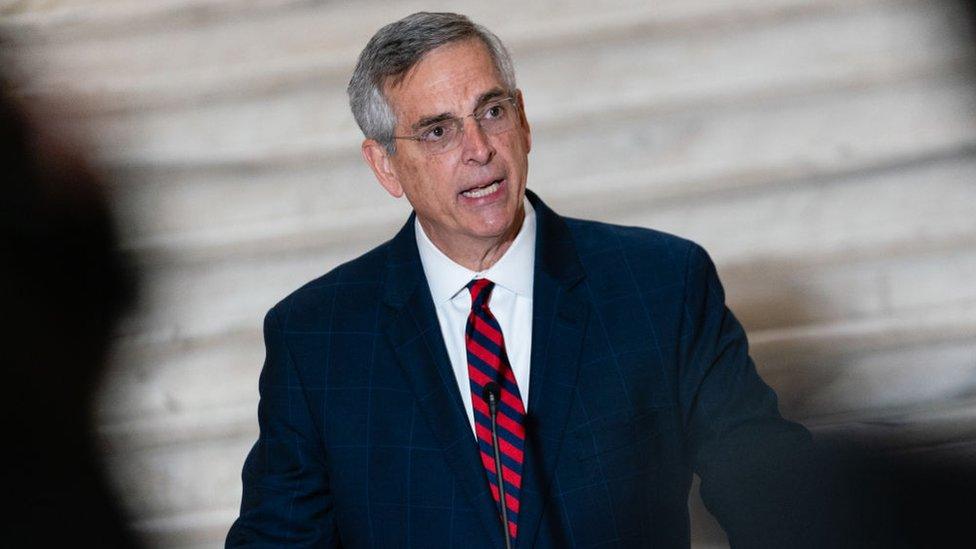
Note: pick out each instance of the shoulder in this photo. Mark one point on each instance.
(644, 252)
(352, 286)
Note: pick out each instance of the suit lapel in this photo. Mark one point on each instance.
(414, 333)
(560, 314)
(559, 320)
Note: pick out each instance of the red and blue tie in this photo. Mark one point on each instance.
(487, 362)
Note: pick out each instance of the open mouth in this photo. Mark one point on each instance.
(483, 191)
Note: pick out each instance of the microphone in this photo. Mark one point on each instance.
(492, 395)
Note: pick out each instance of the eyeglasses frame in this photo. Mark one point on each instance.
(458, 122)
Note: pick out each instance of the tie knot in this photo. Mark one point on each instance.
(480, 289)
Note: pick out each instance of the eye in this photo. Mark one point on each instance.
(435, 133)
(494, 111)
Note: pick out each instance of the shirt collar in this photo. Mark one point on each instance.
(514, 271)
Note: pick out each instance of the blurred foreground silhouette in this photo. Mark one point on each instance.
(63, 287)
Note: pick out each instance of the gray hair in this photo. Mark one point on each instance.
(395, 49)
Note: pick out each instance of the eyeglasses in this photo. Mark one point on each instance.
(494, 117)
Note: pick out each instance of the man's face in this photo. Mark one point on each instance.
(447, 190)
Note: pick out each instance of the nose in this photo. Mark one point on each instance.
(475, 146)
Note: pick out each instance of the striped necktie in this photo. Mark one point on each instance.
(487, 362)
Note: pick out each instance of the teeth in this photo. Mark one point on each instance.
(484, 191)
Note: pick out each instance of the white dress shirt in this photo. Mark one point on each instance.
(510, 302)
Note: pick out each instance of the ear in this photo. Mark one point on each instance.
(379, 161)
(526, 130)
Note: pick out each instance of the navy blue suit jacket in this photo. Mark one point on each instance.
(640, 376)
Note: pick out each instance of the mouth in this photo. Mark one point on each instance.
(483, 190)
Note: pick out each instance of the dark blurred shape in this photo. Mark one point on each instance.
(886, 494)
(903, 497)
(63, 286)
(969, 9)
(932, 499)
(895, 491)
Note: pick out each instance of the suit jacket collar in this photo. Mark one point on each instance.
(559, 318)
(555, 254)
(555, 251)
(559, 322)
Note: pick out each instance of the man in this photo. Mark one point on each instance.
(619, 370)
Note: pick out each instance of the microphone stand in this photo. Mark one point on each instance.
(490, 396)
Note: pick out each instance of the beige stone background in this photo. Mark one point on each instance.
(824, 151)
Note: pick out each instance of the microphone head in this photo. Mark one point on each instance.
(491, 394)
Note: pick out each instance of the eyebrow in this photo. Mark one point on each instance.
(493, 93)
(433, 119)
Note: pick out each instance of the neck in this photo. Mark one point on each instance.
(477, 254)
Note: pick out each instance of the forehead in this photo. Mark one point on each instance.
(448, 79)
